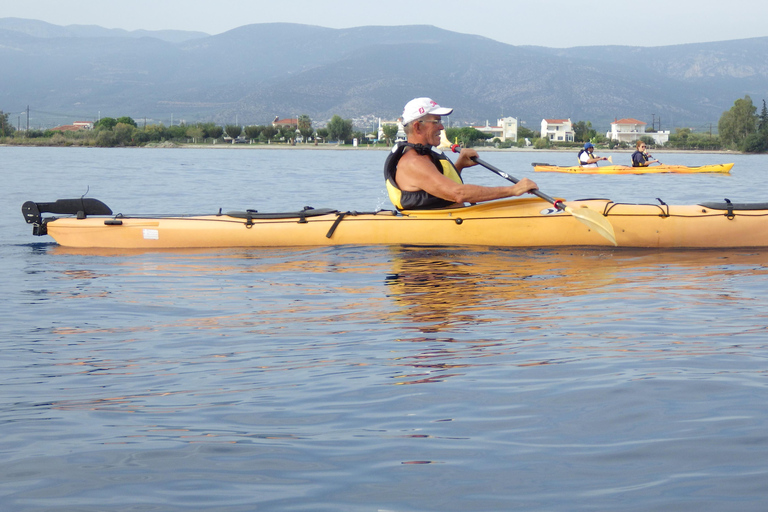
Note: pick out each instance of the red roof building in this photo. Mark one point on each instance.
(67, 128)
(290, 123)
(76, 126)
(629, 131)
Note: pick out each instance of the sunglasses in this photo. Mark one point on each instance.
(433, 121)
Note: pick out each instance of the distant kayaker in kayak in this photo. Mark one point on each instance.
(640, 158)
(586, 158)
(418, 176)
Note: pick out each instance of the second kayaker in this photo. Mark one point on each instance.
(586, 158)
(640, 158)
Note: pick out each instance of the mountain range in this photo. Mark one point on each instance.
(254, 73)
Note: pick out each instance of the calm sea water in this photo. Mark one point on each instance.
(378, 378)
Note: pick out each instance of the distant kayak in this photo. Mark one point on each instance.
(623, 169)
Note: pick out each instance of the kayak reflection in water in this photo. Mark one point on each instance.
(419, 176)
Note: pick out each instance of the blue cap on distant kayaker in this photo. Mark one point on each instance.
(588, 145)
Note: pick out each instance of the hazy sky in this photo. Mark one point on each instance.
(554, 23)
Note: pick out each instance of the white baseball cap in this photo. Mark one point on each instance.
(420, 107)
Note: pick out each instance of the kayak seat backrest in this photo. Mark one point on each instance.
(310, 212)
(735, 206)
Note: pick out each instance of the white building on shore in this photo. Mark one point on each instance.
(505, 129)
(629, 131)
(400, 130)
(557, 130)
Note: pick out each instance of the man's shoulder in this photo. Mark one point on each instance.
(414, 163)
(411, 155)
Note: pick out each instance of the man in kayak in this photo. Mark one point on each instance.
(418, 176)
(640, 158)
(586, 158)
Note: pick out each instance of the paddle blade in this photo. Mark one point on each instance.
(444, 142)
(594, 221)
(610, 159)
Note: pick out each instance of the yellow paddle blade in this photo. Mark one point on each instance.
(444, 142)
(610, 159)
(595, 221)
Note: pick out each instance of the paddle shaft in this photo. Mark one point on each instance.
(557, 204)
(590, 218)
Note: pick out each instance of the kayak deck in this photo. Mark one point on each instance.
(528, 222)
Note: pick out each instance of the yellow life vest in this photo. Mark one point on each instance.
(419, 200)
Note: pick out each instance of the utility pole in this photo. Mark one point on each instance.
(27, 118)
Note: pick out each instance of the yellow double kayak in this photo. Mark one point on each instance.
(527, 222)
(623, 169)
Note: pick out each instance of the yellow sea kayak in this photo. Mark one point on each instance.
(623, 169)
(528, 222)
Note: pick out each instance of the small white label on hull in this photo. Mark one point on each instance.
(151, 234)
(550, 211)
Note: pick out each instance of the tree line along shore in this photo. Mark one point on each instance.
(739, 129)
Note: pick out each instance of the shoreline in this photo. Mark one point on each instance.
(387, 148)
(335, 147)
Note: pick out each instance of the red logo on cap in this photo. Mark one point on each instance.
(421, 110)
